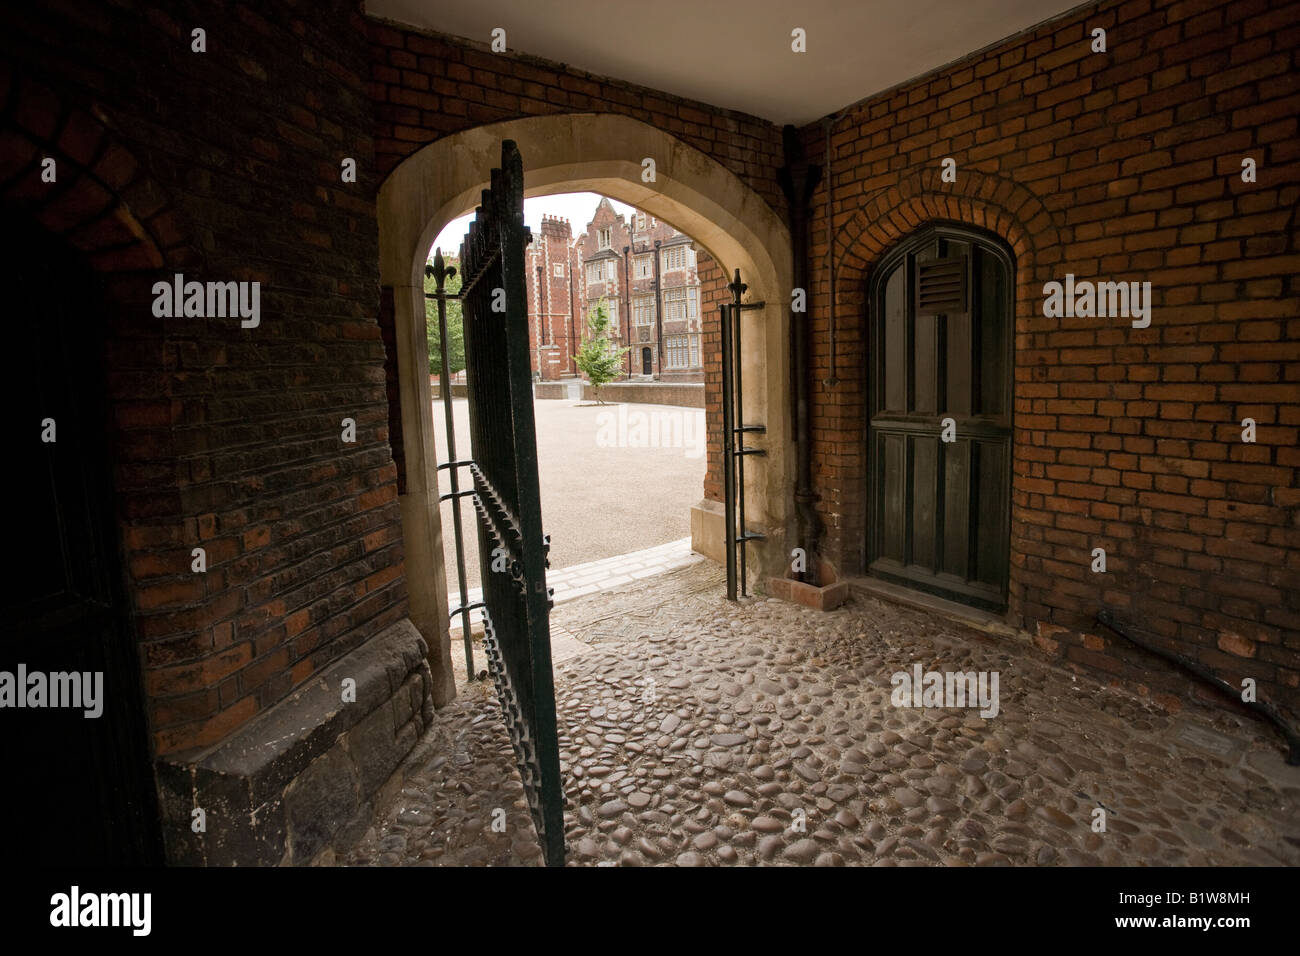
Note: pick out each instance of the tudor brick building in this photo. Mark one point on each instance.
(549, 270)
(646, 273)
(194, 437)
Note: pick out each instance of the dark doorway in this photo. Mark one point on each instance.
(941, 348)
(76, 789)
(647, 363)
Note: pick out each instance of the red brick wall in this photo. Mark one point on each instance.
(426, 86)
(227, 438)
(1122, 165)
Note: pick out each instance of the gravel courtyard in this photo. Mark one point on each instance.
(597, 501)
(698, 733)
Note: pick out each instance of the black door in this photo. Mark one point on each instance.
(941, 338)
(647, 365)
(76, 789)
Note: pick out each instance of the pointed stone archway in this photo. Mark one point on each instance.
(602, 153)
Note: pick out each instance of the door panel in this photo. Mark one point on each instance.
(993, 481)
(925, 462)
(891, 473)
(959, 367)
(895, 334)
(992, 346)
(924, 362)
(956, 509)
(940, 327)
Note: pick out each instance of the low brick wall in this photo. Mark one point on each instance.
(457, 390)
(687, 394)
(550, 390)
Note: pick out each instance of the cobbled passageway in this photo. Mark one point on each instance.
(694, 732)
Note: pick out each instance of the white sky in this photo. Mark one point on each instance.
(578, 208)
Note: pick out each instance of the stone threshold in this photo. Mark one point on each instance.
(980, 620)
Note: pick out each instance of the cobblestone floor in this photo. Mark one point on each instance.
(700, 733)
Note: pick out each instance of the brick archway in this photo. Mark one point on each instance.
(604, 153)
(101, 203)
(103, 208)
(1002, 207)
(70, 188)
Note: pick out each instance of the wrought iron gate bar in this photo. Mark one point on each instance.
(472, 281)
(520, 737)
(465, 609)
(514, 566)
(489, 495)
(734, 430)
(507, 502)
(441, 273)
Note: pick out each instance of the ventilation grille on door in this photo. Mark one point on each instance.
(941, 287)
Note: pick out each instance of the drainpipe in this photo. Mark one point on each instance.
(541, 324)
(659, 322)
(798, 179)
(627, 310)
(828, 124)
(573, 314)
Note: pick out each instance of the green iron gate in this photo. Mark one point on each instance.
(503, 439)
(734, 449)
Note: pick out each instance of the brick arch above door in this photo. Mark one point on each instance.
(105, 208)
(102, 202)
(1002, 206)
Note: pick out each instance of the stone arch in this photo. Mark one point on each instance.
(602, 153)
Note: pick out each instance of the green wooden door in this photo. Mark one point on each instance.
(940, 313)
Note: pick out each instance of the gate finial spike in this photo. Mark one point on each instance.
(440, 271)
(737, 287)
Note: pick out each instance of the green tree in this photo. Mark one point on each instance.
(599, 358)
(455, 324)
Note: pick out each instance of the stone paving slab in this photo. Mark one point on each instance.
(580, 580)
(695, 732)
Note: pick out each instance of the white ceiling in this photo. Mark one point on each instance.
(736, 53)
